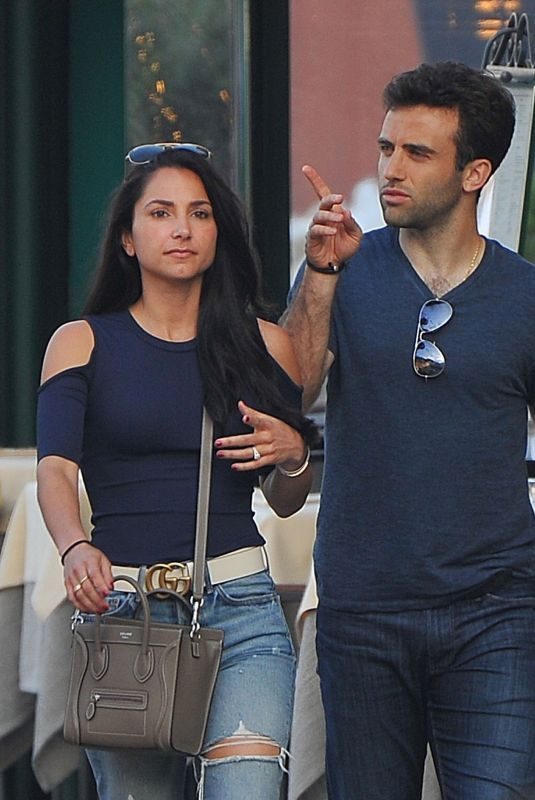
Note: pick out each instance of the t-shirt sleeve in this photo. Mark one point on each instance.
(61, 407)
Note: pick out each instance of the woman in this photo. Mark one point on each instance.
(173, 322)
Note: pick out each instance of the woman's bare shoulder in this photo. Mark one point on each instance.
(71, 345)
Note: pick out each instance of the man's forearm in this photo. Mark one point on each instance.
(308, 321)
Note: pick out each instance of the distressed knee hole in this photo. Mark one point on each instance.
(244, 744)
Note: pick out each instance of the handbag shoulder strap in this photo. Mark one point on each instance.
(203, 501)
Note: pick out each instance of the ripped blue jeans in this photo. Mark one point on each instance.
(252, 704)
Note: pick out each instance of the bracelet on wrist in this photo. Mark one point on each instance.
(71, 547)
(293, 473)
(330, 269)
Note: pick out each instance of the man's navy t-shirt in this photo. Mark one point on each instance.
(425, 493)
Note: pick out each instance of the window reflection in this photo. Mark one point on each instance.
(184, 76)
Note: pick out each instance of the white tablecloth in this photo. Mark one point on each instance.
(17, 467)
(34, 645)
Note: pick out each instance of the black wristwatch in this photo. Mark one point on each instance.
(330, 269)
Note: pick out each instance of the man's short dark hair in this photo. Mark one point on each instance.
(486, 108)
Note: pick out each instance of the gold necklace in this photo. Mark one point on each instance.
(474, 262)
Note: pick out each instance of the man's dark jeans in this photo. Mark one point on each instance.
(460, 676)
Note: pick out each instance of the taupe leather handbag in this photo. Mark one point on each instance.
(137, 683)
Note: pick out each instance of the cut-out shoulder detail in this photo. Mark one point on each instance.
(279, 346)
(70, 346)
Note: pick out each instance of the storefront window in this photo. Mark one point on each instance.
(186, 77)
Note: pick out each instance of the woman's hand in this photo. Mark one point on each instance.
(271, 442)
(88, 578)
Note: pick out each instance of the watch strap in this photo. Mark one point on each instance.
(330, 269)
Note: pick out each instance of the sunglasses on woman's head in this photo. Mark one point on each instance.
(427, 360)
(145, 153)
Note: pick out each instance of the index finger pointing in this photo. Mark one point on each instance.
(316, 181)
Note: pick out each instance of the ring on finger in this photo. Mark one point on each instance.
(256, 454)
(79, 585)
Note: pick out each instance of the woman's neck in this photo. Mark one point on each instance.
(172, 317)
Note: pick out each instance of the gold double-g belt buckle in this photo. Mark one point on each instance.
(164, 576)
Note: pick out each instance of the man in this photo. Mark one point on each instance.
(425, 557)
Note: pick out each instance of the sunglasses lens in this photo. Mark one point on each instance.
(197, 148)
(143, 154)
(428, 360)
(434, 314)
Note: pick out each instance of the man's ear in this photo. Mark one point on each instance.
(476, 174)
(128, 245)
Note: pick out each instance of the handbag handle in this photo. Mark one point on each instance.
(144, 663)
(203, 501)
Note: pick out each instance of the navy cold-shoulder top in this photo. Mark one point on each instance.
(131, 418)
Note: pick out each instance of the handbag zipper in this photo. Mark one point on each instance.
(136, 701)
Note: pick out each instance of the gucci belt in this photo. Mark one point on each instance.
(177, 575)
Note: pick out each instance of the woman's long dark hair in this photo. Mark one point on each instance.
(233, 358)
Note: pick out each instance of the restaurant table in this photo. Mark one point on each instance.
(35, 635)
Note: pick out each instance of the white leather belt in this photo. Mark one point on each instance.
(178, 575)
